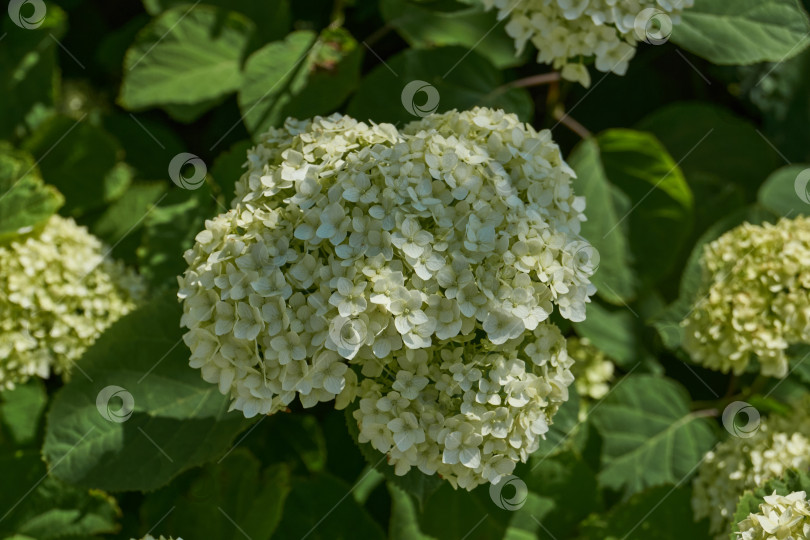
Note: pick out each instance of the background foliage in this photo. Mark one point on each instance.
(703, 132)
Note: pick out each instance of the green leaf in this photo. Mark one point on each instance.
(28, 75)
(37, 505)
(526, 520)
(663, 512)
(274, 14)
(184, 57)
(76, 157)
(169, 230)
(229, 166)
(299, 77)
(127, 214)
(178, 421)
(21, 411)
(404, 524)
(743, 31)
(786, 192)
(649, 435)
(660, 217)
(463, 78)
(457, 513)
(296, 439)
(232, 499)
(320, 508)
(712, 144)
(617, 333)
(447, 22)
(417, 484)
(25, 201)
(563, 479)
(615, 278)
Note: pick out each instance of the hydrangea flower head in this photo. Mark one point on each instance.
(753, 301)
(738, 464)
(566, 31)
(780, 517)
(416, 268)
(60, 292)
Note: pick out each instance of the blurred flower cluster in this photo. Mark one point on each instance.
(60, 292)
(414, 268)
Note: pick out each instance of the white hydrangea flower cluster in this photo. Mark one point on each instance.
(780, 517)
(738, 464)
(468, 411)
(565, 32)
(592, 369)
(395, 251)
(753, 301)
(59, 293)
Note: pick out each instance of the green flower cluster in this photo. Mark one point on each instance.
(592, 369)
(58, 293)
(755, 298)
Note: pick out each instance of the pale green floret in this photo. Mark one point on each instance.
(58, 293)
(150, 537)
(564, 31)
(592, 369)
(742, 463)
(362, 260)
(755, 298)
(780, 517)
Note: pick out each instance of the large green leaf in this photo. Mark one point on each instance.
(462, 78)
(25, 202)
(76, 157)
(447, 22)
(649, 435)
(229, 500)
(28, 74)
(404, 524)
(458, 513)
(321, 507)
(615, 279)
(37, 505)
(663, 512)
(299, 77)
(185, 56)
(660, 217)
(743, 31)
(273, 14)
(178, 420)
(786, 192)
